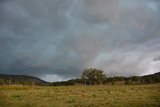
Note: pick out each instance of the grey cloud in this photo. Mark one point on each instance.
(60, 38)
(156, 58)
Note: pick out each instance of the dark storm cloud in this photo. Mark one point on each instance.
(59, 38)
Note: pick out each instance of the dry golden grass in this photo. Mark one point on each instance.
(80, 96)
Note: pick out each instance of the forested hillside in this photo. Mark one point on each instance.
(20, 80)
(30, 80)
(147, 79)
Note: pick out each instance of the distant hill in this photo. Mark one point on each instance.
(146, 79)
(152, 78)
(30, 80)
(152, 75)
(6, 79)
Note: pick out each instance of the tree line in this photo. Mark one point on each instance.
(94, 76)
(89, 76)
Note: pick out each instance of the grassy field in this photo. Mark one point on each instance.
(80, 96)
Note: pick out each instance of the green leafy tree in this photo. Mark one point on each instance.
(93, 76)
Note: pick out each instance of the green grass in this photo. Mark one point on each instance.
(81, 96)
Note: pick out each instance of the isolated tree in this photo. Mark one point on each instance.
(94, 76)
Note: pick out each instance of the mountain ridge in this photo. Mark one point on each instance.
(21, 79)
(10, 79)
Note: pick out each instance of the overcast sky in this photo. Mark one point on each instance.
(56, 39)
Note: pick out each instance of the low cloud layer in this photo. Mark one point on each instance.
(57, 39)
